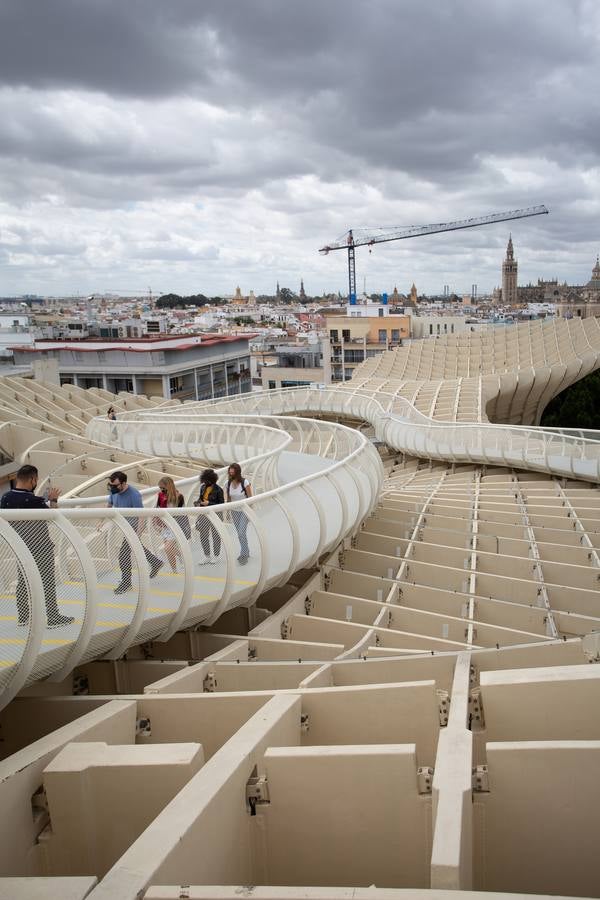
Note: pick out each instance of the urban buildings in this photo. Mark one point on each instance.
(295, 366)
(194, 367)
(365, 330)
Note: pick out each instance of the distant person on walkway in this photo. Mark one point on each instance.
(124, 496)
(211, 494)
(239, 488)
(36, 535)
(112, 417)
(170, 498)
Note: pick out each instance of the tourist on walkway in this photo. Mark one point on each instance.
(111, 415)
(239, 488)
(124, 496)
(36, 535)
(211, 494)
(170, 498)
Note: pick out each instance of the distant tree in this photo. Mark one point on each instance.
(287, 296)
(577, 406)
(176, 301)
(243, 320)
(169, 301)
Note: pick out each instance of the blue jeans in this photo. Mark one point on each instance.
(240, 520)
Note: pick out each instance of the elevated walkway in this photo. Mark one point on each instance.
(314, 484)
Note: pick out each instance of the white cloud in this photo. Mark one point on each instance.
(206, 145)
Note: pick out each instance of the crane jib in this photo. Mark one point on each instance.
(351, 239)
(398, 234)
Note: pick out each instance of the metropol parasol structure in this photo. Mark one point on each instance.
(397, 690)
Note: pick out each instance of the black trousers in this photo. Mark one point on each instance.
(125, 560)
(208, 530)
(43, 554)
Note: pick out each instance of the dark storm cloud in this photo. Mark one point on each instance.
(135, 47)
(413, 86)
(296, 117)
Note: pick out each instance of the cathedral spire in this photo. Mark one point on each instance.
(509, 248)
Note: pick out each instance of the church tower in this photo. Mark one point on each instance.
(509, 276)
(302, 294)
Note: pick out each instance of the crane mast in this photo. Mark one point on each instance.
(364, 237)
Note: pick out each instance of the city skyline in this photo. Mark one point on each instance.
(195, 148)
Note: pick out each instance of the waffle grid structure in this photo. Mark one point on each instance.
(398, 692)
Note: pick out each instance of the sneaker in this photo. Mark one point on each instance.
(60, 620)
(155, 569)
(243, 560)
(123, 587)
(205, 562)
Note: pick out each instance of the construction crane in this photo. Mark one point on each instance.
(359, 237)
(132, 292)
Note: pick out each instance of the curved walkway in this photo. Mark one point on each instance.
(397, 423)
(317, 482)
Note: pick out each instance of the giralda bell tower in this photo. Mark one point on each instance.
(509, 276)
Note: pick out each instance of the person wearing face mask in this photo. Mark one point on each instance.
(36, 535)
(124, 496)
(170, 498)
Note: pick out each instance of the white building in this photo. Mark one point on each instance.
(195, 367)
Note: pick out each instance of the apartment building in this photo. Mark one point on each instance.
(365, 330)
(190, 367)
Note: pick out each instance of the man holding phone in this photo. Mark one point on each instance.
(36, 535)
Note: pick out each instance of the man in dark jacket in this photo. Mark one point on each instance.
(36, 535)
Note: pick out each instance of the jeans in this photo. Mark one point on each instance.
(125, 561)
(240, 520)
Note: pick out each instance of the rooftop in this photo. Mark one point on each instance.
(139, 345)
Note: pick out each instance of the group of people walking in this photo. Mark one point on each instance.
(36, 533)
(169, 497)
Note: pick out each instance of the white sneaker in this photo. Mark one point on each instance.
(205, 562)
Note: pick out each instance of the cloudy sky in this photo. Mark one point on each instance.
(194, 145)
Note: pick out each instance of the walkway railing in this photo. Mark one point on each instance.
(564, 452)
(126, 577)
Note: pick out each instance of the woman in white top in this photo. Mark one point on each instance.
(239, 488)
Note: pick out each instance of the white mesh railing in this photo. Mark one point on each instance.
(211, 443)
(565, 452)
(90, 582)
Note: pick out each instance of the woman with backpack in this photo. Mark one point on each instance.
(211, 494)
(239, 488)
(170, 498)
